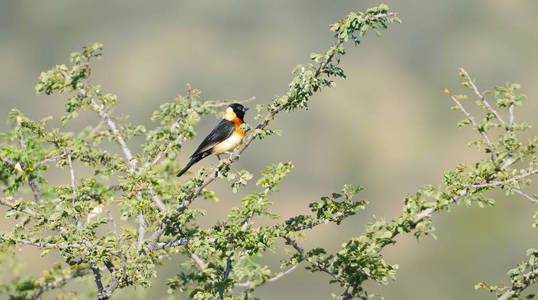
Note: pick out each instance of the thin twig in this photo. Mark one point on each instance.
(54, 245)
(314, 263)
(133, 168)
(167, 148)
(58, 282)
(163, 153)
(496, 183)
(7, 203)
(100, 109)
(272, 279)
(251, 213)
(481, 131)
(511, 112)
(481, 97)
(35, 190)
(174, 243)
(517, 191)
(50, 159)
(32, 180)
(72, 172)
(7, 161)
(118, 242)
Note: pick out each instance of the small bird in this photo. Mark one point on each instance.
(223, 138)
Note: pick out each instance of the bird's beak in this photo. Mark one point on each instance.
(245, 108)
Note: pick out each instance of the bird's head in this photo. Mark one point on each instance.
(235, 110)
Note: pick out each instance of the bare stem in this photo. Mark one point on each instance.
(272, 279)
(50, 159)
(518, 191)
(475, 125)
(481, 96)
(58, 282)
(72, 172)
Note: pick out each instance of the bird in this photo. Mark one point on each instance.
(223, 138)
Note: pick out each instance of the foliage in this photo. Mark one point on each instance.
(122, 214)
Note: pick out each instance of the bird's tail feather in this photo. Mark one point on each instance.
(196, 158)
(191, 162)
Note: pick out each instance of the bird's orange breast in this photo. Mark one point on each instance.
(238, 123)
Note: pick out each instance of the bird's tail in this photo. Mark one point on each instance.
(194, 159)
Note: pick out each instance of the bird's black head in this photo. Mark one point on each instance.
(239, 110)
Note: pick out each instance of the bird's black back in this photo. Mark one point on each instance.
(222, 131)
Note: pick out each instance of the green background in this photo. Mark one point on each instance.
(387, 127)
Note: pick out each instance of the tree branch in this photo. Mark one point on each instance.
(141, 227)
(118, 243)
(473, 122)
(272, 279)
(6, 203)
(481, 97)
(226, 272)
(72, 172)
(314, 263)
(98, 282)
(496, 183)
(529, 278)
(59, 282)
(50, 159)
(7, 161)
(55, 245)
(100, 109)
(517, 191)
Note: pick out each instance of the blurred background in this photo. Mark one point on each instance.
(387, 127)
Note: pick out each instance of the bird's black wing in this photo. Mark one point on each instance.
(222, 131)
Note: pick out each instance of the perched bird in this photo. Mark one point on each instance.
(223, 138)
